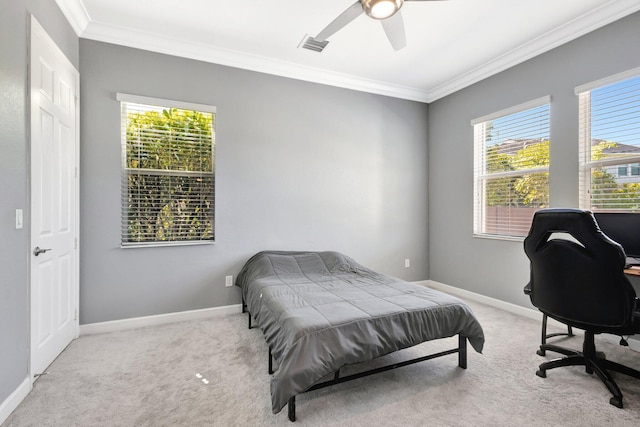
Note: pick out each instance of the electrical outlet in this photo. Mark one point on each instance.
(228, 281)
(407, 263)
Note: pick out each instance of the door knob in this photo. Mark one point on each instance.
(37, 251)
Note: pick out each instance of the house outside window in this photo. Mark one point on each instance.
(168, 177)
(511, 169)
(610, 143)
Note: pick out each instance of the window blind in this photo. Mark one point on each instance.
(609, 132)
(511, 169)
(167, 173)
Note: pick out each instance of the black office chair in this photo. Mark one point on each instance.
(582, 284)
(545, 335)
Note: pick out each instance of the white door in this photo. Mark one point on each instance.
(54, 200)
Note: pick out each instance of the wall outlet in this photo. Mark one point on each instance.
(228, 281)
(407, 263)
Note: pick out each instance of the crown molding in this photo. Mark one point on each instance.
(204, 52)
(76, 14)
(82, 24)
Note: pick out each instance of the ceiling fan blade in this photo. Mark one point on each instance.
(343, 19)
(394, 29)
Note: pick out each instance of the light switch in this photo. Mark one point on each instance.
(18, 219)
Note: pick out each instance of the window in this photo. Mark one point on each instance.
(167, 172)
(610, 143)
(511, 169)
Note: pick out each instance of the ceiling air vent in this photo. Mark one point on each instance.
(313, 44)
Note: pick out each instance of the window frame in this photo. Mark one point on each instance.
(586, 164)
(481, 176)
(159, 103)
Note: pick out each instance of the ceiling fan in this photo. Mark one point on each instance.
(386, 11)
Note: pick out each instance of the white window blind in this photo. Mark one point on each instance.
(511, 169)
(168, 175)
(610, 143)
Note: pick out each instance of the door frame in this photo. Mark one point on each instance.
(36, 29)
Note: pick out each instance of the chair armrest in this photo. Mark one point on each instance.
(527, 289)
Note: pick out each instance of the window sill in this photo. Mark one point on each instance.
(168, 244)
(500, 237)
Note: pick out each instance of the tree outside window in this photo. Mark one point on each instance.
(168, 175)
(511, 173)
(610, 143)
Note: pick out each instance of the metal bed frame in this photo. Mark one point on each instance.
(337, 379)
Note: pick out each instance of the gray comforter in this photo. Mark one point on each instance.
(320, 311)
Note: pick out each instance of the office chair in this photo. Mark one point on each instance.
(577, 278)
(545, 335)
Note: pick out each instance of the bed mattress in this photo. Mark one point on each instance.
(320, 311)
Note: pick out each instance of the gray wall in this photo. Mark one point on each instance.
(299, 166)
(14, 175)
(499, 269)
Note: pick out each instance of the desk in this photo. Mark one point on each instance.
(632, 271)
(633, 274)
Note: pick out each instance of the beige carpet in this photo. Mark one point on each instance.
(214, 373)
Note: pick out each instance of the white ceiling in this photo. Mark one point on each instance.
(450, 44)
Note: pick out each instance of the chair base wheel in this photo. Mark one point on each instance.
(616, 401)
(541, 352)
(541, 373)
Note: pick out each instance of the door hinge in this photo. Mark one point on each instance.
(76, 172)
(75, 314)
(75, 243)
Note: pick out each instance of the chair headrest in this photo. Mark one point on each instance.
(580, 224)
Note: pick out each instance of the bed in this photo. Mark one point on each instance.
(320, 311)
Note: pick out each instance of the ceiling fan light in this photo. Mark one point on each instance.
(381, 9)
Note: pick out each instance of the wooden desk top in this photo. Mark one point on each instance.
(633, 271)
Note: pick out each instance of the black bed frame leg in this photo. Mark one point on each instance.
(270, 362)
(291, 406)
(462, 351)
(245, 310)
(462, 363)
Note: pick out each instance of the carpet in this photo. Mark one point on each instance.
(213, 372)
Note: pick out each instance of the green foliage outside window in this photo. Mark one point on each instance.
(525, 190)
(532, 190)
(606, 192)
(169, 172)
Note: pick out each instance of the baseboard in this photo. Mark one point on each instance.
(14, 399)
(634, 343)
(493, 302)
(160, 319)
